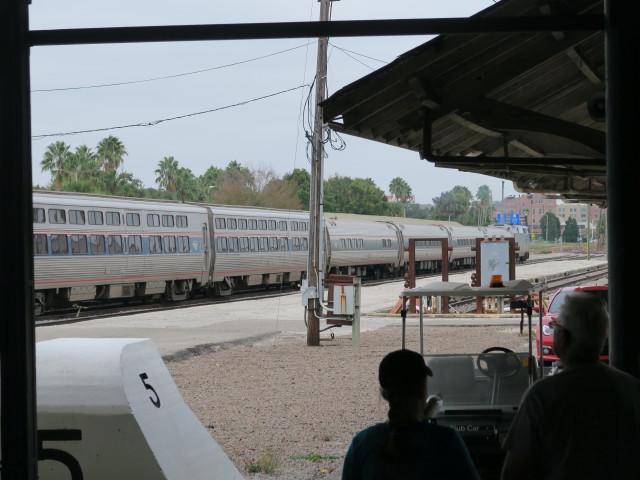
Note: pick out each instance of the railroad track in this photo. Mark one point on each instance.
(90, 311)
(598, 275)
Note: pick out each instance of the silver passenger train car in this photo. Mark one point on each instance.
(95, 247)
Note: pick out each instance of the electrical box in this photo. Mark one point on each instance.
(307, 292)
(494, 260)
(344, 299)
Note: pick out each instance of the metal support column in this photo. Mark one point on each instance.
(17, 331)
(622, 51)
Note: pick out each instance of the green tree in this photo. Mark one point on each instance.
(485, 207)
(280, 193)
(209, 181)
(56, 160)
(359, 195)
(571, 230)
(400, 189)
(416, 210)
(187, 186)
(452, 204)
(236, 186)
(167, 174)
(123, 184)
(110, 153)
(550, 226)
(302, 179)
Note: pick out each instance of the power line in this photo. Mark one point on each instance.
(347, 52)
(156, 122)
(169, 76)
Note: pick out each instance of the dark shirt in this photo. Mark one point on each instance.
(432, 452)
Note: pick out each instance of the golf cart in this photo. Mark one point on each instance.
(478, 393)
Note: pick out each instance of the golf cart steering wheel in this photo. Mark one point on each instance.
(500, 366)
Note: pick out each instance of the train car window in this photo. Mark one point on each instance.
(79, 245)
(59, 245)
(135, 244)
(253, 224)
(272, 224)
(183, 244)
(283, 226)
(273, 244)
(253, 244)
(221, 223)
(114, 244)
(57, 215)
(181, 221)
(38, 215)
(343, 243)
(153, 219)
(232, 223)
(284, 244)
(295, 244)
(244, 244)
(133, 219)
(350, 243)
(360, 243)
(305, 245)
(76, 217)
(233, 244)
(97, 245)
(242, 223)
(155, 244)
(170, 244)
(222, 245)
(95, 217)
(113, 218)
(263, 244)
(40, 246)
(262, 225)
(167, 221)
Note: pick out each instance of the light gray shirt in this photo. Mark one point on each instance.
(583, 423)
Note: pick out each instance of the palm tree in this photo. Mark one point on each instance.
(401, 190)
(111, 153)
(120, 183)
(186, 185)
(83, 163)
(485, 198)
(56, 160)
(167, 173)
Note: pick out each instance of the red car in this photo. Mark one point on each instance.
(554, 307)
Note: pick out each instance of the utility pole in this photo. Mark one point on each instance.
(315, 270)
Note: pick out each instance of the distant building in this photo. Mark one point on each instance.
(532, 206)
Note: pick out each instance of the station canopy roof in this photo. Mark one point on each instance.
(526, 107)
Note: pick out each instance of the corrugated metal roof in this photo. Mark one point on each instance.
(507, 105)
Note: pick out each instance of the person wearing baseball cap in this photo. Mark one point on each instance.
(409, 445)
(584, 422)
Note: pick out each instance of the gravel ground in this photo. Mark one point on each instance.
(282, 404)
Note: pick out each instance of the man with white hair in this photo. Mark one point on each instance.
(584, 422)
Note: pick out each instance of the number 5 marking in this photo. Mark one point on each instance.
(156, 401)
(57, 455)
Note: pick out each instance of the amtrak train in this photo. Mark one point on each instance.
(94, 247)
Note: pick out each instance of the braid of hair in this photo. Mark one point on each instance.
(395, 450)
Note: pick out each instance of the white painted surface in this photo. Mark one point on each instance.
(134, 423)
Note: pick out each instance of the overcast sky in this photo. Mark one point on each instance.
(228, 79)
